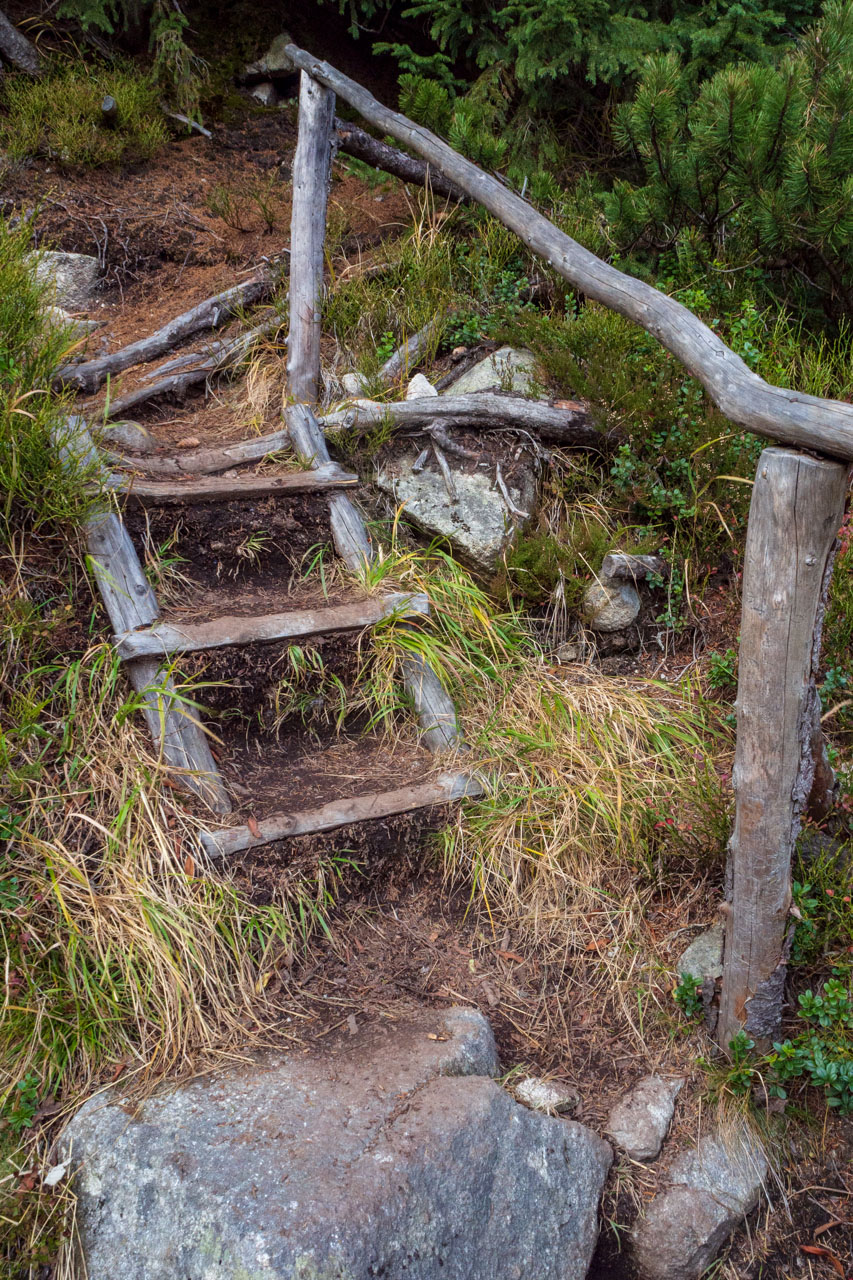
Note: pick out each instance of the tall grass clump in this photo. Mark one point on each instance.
(58, 116)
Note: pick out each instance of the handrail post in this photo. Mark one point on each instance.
(312, 171)
(796, 511)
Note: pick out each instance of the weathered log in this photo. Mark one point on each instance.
(208, 461)
(446, 788)
(801, 420)
(312, 172)
(222, 355)
(796, 510)
(380, 155)
(206, 315)
(163, 637)
(130, 603)
(479, 409)
(433, 704)
(17, 49)
(194, 491)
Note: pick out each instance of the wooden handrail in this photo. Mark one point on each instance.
(807, 422)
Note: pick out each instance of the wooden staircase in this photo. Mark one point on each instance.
(259, 786)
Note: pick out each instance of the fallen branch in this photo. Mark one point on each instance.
(223, 355)
(805, 421)
(191, 124)
(206, 315)
(17, 49)
(479, 409)
(401, 363)
(362, 146)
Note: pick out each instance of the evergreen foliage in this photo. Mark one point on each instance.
(756, 164)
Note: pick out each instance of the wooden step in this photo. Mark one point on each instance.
(169, 637)
(219, 489)
(444, 789)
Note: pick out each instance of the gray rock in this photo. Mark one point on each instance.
(366, 1160)
(704, 957)
(610, 605)
(274, 62)
(711, 1190)
(545, 1095)
(419, 387)
(127, 435)
(508, 369)
(266, 94)
(477, 522)
(73, 276)
(631, 568)
(640, 1122)
(79, 328)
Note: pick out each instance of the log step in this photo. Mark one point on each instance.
(169, 637)
(220, 489)
(444, 789)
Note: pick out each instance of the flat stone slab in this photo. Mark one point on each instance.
(546, 1095)
(391, 1154)
(477, 523)
(704, 957)
(710, 1191)
(509, 369)
(640, 1122)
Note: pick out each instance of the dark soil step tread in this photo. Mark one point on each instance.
(228, 489)
(444, 789)
(168, 637)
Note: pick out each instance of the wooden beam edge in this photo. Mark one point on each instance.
(445, 789)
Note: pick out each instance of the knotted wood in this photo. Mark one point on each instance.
(312, 171)
(796, 510)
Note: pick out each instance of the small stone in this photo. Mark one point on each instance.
(188, 442)
(711, 1191)
(128, 435)
(704, 957)
(610, 605)
(506, 369)
(546, 1095)
(420, 387)
(458, 352)
(73, 276)
(266, 94)
(630, 568)
(640, 1122)
(79, 328)
(274, 62)
(353, 384)
(569, 652)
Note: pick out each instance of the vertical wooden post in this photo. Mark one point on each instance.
(796, 511)
(312, 169)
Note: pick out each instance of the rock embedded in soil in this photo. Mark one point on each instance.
(389, 1152)
(612, 602)
(709, 1192)
(640, 1122)
(127, 435)
(610, 605)
(704, 957)
(477, 522)
(73, 277)
(545, 1095)
(79, 328)
(419, 387)
(265, 93)
(508, 369)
